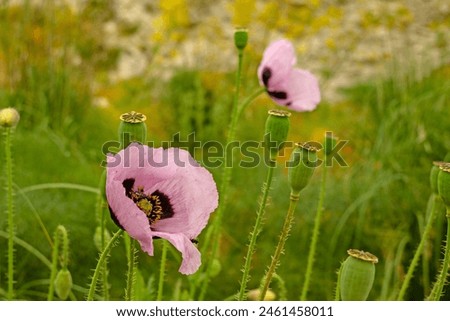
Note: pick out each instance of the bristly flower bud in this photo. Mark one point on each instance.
(9, 117)
(240, 38)
(443, 181)
(63, 284)
(132, 128)
(302, 163)
(253, 295)
(357, 275)
(276, 132)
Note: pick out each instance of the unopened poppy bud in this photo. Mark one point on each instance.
(301, 165)
(63, 284)
(444, 183)
(215, 268)
(240, 38)
(276, 132)
(357, 275)
(132, 128)
(253, 295)
(330, 143)
(98, 238)
(9, 117)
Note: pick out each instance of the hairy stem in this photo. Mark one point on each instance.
(214, 233)
(10, 210)
(418, 252)
(315, 236)
(280, 247)
(254, 234)
(101, 260)
(129, 295)
(445, 265)
(162, 271)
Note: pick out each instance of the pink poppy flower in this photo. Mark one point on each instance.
(294, 88)
(161, 193)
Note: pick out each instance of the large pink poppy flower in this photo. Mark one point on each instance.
(294, 88)
(161, 193)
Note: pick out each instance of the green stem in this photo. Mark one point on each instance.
(162, 271)
(54, 269)
(445, 265)
(129, 295)
(60, 238)
(418, 253)
(214, 233)
(249, 100)
(280, 247)
(99, 214)
(337, 292)
(10, 210)
(100, 262)
(315, 236)
(254, 234)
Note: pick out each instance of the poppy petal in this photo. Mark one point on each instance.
(190, 254)
(302, 91)
(277, 62)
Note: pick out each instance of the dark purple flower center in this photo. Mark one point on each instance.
(156, 206)
(266, 74)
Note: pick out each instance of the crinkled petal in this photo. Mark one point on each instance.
(279, 57)
(128, 215)
(193, 195)
(301, 89)
(190, 254)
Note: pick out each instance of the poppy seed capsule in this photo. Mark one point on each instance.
(357, 275)
(9, 117)
(276, 132)
(301, 167)
(444, 183)
(132, 128)
(63, 284)
(240, 38)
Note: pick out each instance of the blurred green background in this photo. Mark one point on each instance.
(72, 67)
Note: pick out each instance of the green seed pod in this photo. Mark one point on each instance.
(9, 117)
(357, 275)
(132, 128)
(301, 166)
(63, 284)
(276, 132)
(444, 183)
(240, 38)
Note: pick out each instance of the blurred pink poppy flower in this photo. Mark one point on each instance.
(294, 88)
(161, 193)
